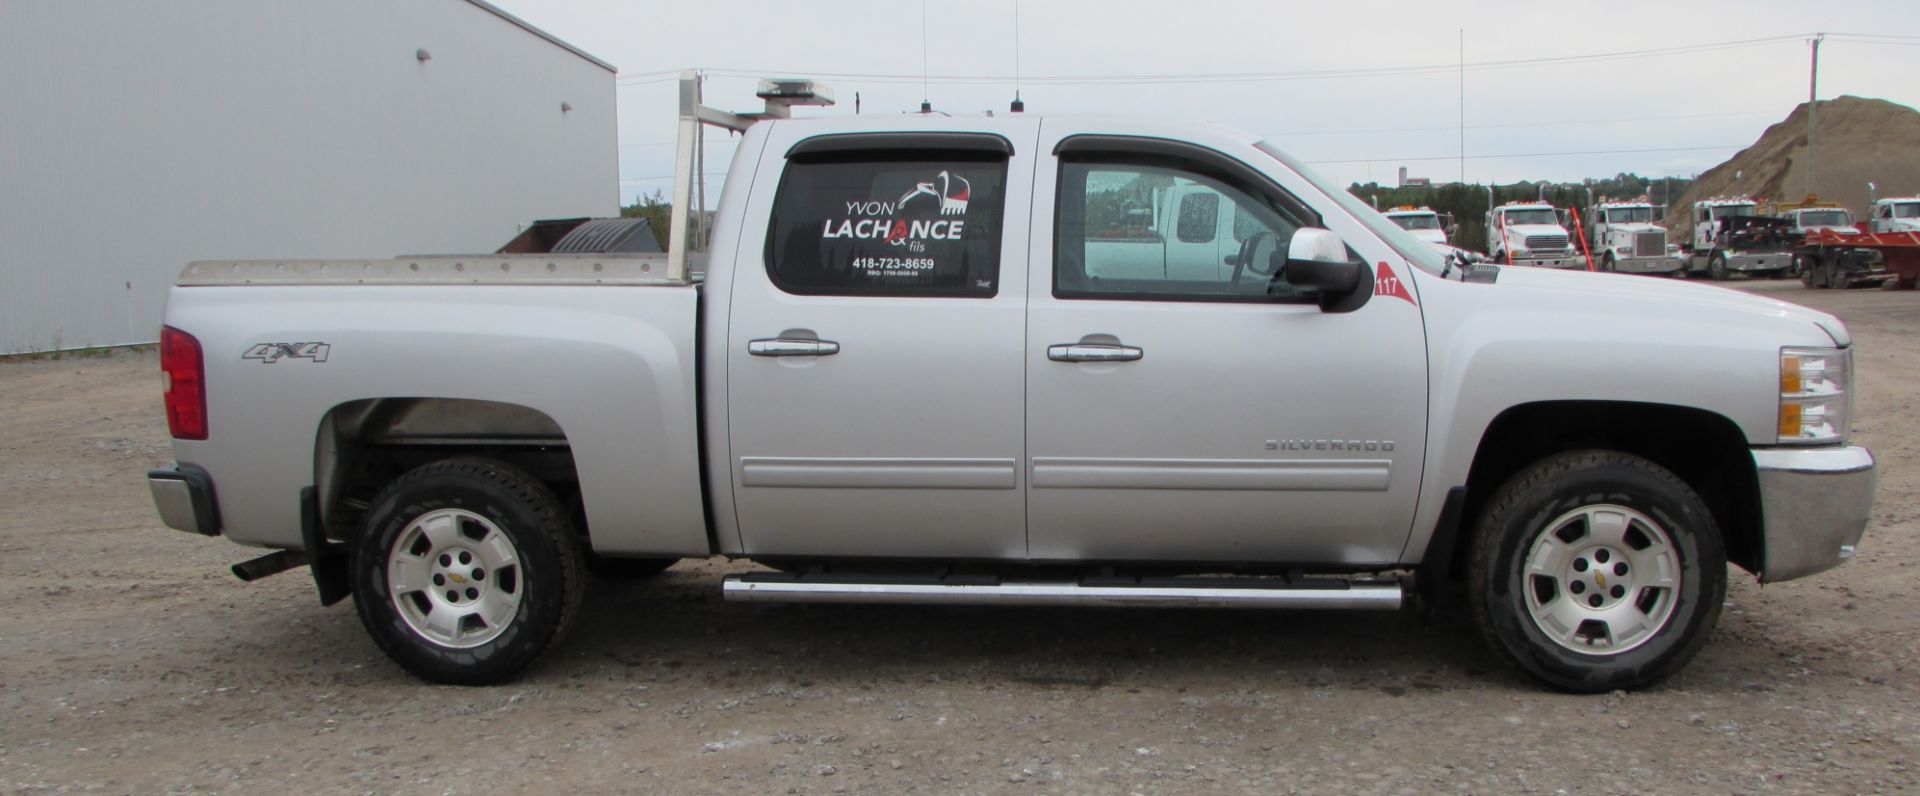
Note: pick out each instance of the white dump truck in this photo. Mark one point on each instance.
(1530, 233)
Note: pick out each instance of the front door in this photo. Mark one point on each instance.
(874, 377)
(1208, 411)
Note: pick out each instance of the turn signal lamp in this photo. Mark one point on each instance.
(1816, 395)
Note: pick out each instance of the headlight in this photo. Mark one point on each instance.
(1816, 395)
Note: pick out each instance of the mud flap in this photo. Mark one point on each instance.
(327, 559)
(1434, 582)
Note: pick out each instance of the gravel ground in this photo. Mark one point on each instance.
(131, 661)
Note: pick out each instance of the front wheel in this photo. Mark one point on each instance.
(1608, 264)
(1596, 570)
(466, 571)
(1717, 267)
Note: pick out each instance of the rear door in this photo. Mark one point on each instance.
(875, 382)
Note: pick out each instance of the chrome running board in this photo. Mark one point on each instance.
(1313, 593)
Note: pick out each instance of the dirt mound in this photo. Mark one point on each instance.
(1860, 140)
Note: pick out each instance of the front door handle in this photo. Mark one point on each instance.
(1092, 352)
(792, 347)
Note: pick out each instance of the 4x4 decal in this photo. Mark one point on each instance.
(270, 353)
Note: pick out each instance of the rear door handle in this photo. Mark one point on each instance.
(1092, 352)
(792, 347)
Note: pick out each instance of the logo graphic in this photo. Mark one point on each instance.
(890, 221)
(1386, 283)
(270, 353)
(952, 202)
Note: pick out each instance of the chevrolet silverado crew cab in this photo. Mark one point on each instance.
(1010, 360)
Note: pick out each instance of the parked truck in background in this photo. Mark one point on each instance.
(913, 372)
(1627, 237)
(1530, 233)
(1422, 223)
(1896, 214)
(1730, 236)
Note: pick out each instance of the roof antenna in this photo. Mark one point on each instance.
(1017, 106)
(925, 105)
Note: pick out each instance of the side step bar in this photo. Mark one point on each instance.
(1317, 593)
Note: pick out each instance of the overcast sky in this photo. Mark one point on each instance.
(1677, 112)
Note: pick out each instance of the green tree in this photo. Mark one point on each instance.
(656, 210)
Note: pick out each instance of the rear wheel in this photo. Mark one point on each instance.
(1596, 570)
(466, 571)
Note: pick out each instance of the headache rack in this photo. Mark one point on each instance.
(689, 229)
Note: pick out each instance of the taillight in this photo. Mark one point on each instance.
(186, 374)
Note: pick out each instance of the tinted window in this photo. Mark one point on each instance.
(913, 226)
(1189, 265)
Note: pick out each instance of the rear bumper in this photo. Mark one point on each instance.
(183, 494)
(1814, 504)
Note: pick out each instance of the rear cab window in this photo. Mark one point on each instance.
(877, 223)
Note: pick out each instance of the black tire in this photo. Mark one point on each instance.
(1804, 267)
(627, 568)
(1608, 264)
(1537, 501)
(1717, 267)
(539, 584)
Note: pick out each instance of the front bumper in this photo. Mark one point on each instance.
(1574, 260)
(1646, 265)
(1814, 505)
(183, 494)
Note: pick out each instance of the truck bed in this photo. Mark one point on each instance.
(601, 347)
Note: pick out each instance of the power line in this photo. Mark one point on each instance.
(1534, 154)
(1503, 126)
(1238, 77)
(642, 78)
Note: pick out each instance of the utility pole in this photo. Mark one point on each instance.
(1813, 102)
(1463, 106)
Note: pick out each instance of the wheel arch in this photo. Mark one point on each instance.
(1703, 448)
(364, 444)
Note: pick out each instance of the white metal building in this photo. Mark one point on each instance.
(136, 137)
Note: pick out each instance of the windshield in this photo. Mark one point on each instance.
(1907, 210)
(1629, 215)
(1420, 254)
(1825, 218)
(1531, 215)
(1418, 221)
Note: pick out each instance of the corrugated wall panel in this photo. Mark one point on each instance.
(135, 137)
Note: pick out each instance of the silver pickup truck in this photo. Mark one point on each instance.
(907, 375)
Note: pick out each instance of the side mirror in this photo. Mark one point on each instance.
(1317, 258)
